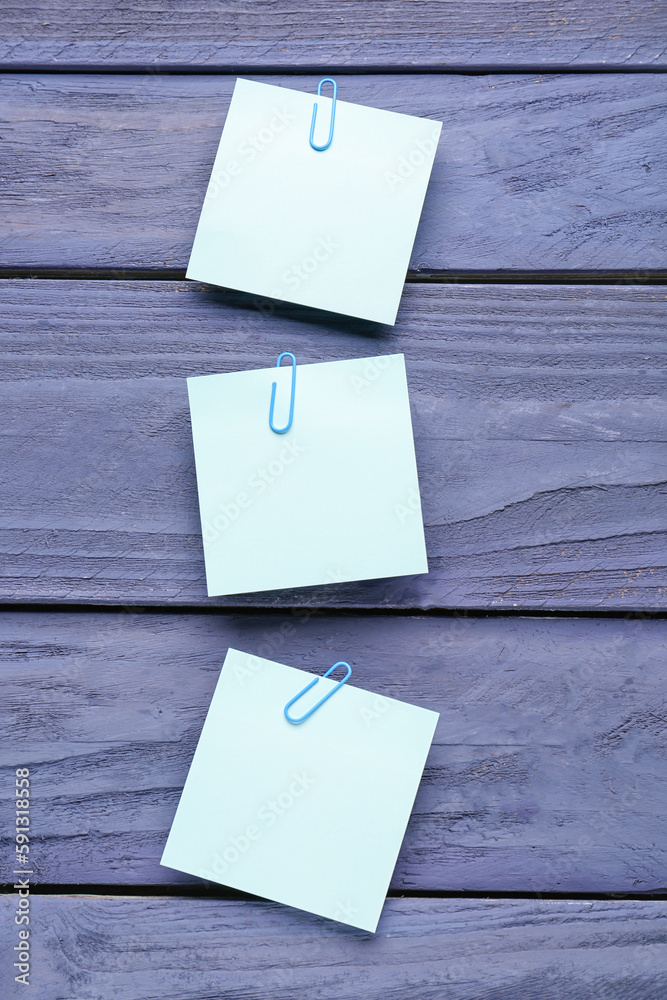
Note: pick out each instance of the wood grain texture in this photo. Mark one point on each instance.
(547, 771)
(532, 173)
(539, 419)
(223, 34)
(94, 948)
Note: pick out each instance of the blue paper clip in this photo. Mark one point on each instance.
(326, 145)
(296, 722)
(283, 430)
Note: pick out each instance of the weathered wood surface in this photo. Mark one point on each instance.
(547, 771)
(540, 432)
(224, 34)
(540, 425)
(532, 173)
(142, 948)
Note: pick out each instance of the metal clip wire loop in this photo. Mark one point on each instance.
(296, 722)
(326, 145)
(283, 430)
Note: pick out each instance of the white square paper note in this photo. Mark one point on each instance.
(311, 815)
(334, 499)
(332, 229)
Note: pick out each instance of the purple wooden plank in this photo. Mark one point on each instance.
(219, 34)
(547, 771)
(539, 420)
(532, 173)
(93, 948)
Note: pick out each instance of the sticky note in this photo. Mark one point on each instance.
(310, 815)
(334, 499)
(333, 229)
